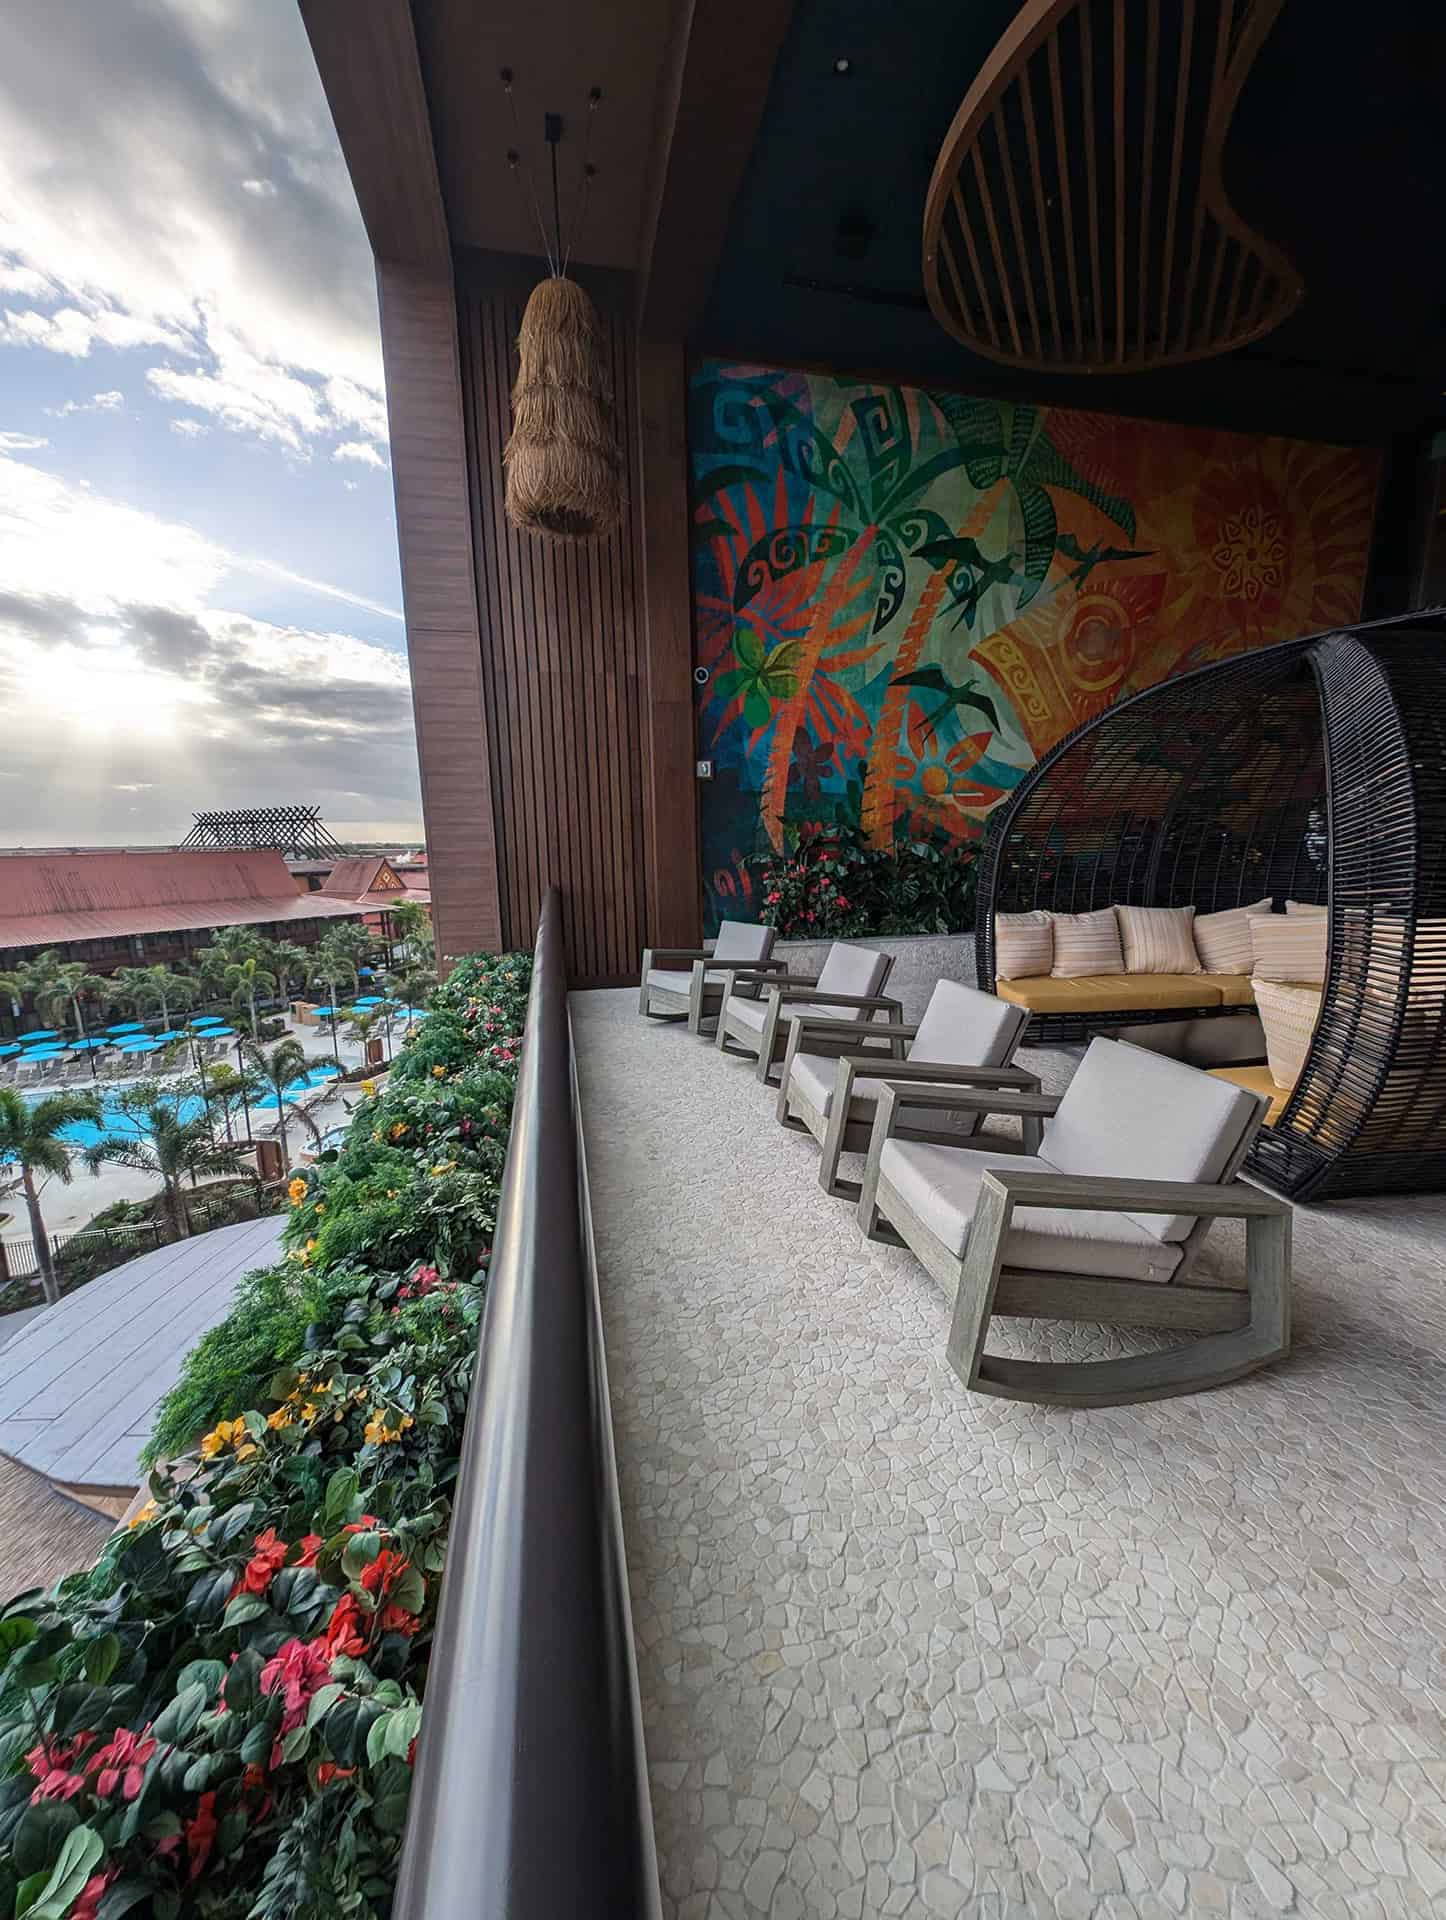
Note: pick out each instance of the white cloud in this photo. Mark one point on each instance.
(125, 128)
(70, 331)
(361, 451)
(110, 401)
(21, 442)
(123, 668)
(190, 429)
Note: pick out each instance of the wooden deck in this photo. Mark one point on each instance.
(80, 1384)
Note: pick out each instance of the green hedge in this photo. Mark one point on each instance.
(220, 1719)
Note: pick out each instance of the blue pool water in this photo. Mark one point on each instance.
(114, 1121)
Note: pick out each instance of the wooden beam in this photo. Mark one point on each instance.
(366, 54)
(710, 103)
(670, 812)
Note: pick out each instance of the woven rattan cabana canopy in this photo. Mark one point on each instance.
(1314, 771)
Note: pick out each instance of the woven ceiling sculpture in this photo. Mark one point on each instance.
(1314, 771)
(1077, 219)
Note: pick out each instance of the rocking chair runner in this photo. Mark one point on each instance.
(965, 1038)
(1102, 1221)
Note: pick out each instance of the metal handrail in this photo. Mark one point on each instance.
(530, 1796)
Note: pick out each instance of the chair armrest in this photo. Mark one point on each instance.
(938, 1073)
(1103, 1193)
(670, 956)
(1020, 1100)
(745, 966)
(791, 990)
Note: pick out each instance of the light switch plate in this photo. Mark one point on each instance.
(705, 769)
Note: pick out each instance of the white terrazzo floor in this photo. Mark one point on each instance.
(905, 1650)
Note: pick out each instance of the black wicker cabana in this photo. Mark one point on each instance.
(1314, 771)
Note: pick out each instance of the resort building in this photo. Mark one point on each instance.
(119, 907)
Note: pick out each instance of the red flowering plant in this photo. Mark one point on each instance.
(220, 1719)
(830, 884)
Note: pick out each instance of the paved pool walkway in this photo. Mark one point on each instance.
(910, 1651)
(79, 1385)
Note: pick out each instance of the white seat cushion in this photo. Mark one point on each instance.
(667, 981)
(753, 1013)
(941, 1186)
(813, 1077)
(1134, 1115)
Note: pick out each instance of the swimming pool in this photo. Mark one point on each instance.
(115, 1122)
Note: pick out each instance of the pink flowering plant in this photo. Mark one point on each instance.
(220, 1719)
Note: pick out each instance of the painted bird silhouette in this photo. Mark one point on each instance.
(982, 572)
(1091, 557)
(937, 681)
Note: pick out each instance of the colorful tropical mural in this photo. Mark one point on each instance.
(903, 597)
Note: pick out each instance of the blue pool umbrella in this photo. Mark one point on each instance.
(127, 1026)
(365, 973)
(220, 1033)
(95, 1040)
(209, 1021)
(165, 1039)
(39, 1033)
(142, 1045)
(7, 1049)
(46, 1053)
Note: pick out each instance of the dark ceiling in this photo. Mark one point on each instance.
(1337, 154)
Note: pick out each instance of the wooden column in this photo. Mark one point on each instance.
(434, 531)
(674, 914)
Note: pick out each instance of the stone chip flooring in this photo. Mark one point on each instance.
(906, 1650)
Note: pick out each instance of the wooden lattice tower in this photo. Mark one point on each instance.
(295, 831)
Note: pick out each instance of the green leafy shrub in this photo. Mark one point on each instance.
(221, 1718)
(831, 885)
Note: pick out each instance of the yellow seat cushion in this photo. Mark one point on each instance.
(1124, 993)
(1236, 989)
(1257, 1080)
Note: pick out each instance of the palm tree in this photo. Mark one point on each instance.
(168, 1147)
(230, 945)
(335, 970)
(365, 1023)
(410, 926)
(244, 979)
(30, 1137)
(274, 1073)
(156, 986)
(411, 986)
(54, 985)
(287, 961)
(349, 945)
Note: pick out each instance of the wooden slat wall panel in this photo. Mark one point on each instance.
(434, 532)
(564, 673)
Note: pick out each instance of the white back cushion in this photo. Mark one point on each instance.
(962, 1027)
(741, 940)
(852, 969)
(1135, 1115)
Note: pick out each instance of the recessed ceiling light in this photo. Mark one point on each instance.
(843, 64)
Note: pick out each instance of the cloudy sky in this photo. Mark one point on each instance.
(199, 597)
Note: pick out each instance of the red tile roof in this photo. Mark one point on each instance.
(47, 898)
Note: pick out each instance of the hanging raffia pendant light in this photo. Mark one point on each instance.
(564, 471)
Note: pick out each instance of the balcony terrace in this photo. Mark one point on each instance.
(905, 1649)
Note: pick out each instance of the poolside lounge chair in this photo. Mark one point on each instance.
(1099, 1216)
(849, 986)
(685, 982)
(28, 1072)
(964, 1038)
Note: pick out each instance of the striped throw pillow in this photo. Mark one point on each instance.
(1222, 940)
(1023, 945)
(1288, 1015)
(1086, 944)
(1158, 939)
(1289, 946)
